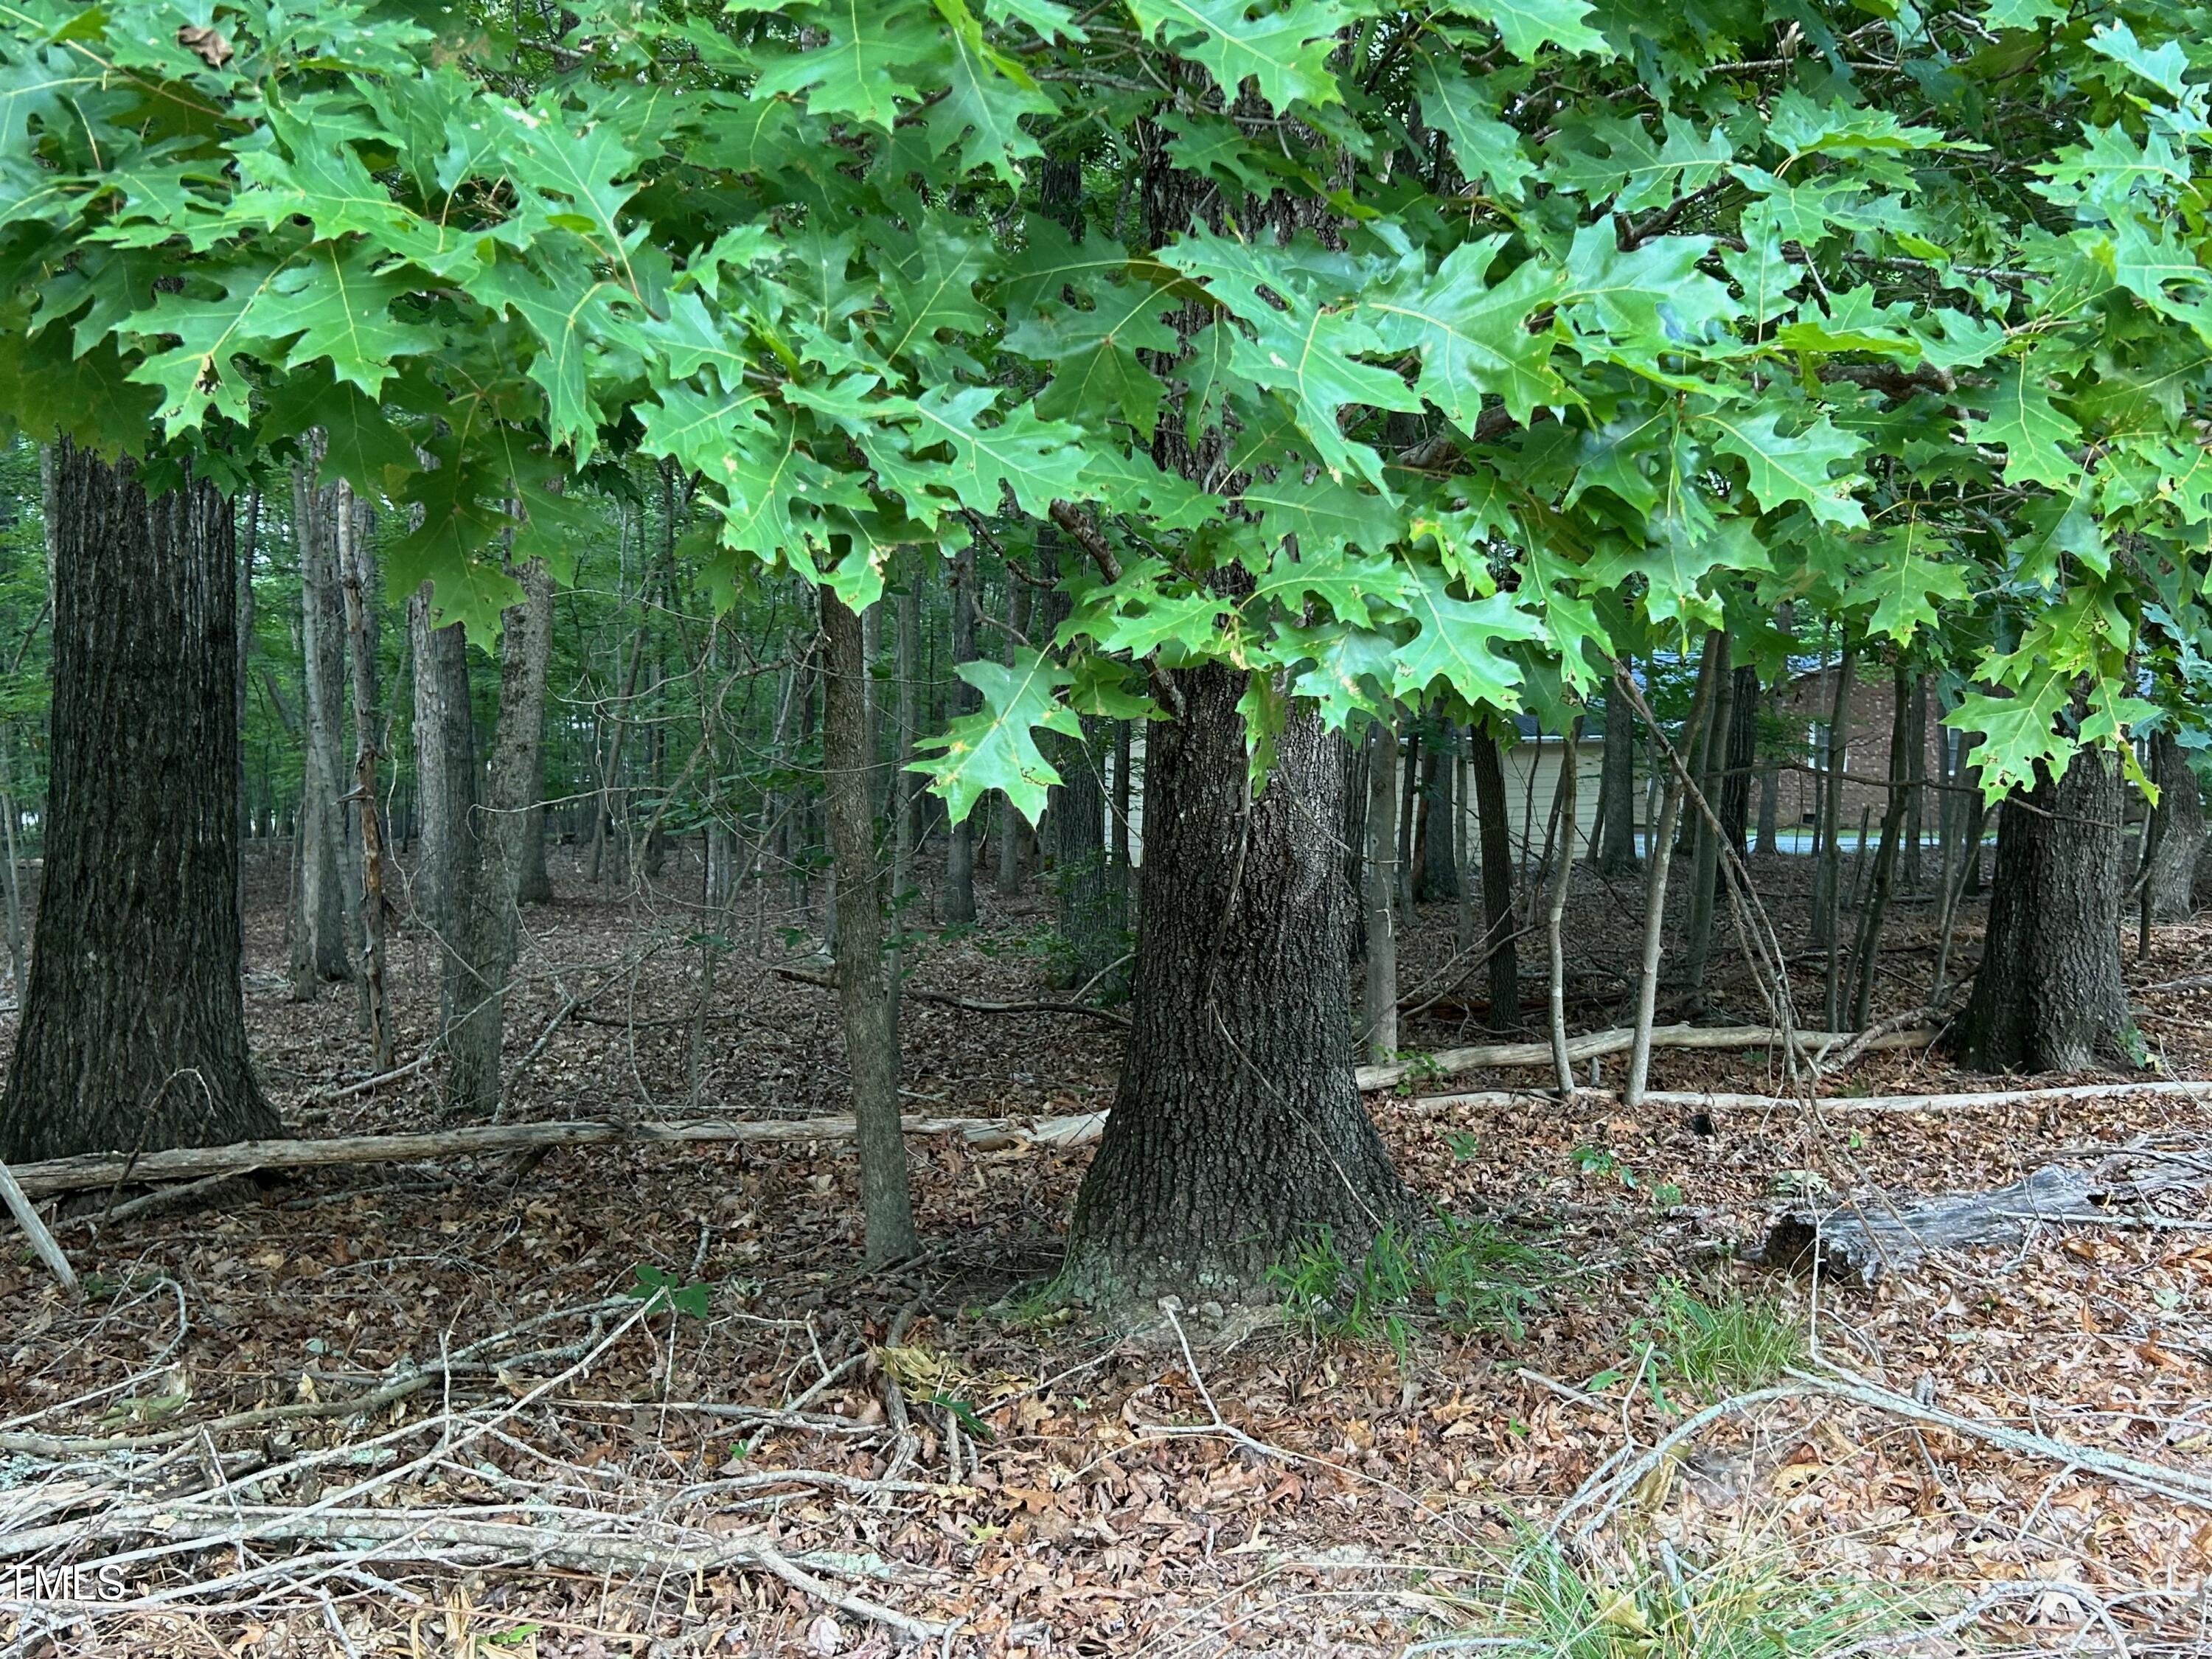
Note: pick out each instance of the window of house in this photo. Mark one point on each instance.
(1817, 758)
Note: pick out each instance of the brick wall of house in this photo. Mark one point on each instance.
(1807, 702)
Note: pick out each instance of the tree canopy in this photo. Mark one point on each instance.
(1437, 355)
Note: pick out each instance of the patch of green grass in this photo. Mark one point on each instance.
(1754, 1606)
(1468, 1275)
(1038, 1305)
(1724, 1345)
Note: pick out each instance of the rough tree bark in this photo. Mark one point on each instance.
(318, 952)
(489, 853)
(2047, 997)
(445, 772)
(1497, 878)
(356, 573)
(133, 1031)
(2176, 831)
(867, 988)
(1238, 1129)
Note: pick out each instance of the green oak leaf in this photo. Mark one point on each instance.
(1912, 575)
(1284, 50)
(1455, 641)
(996, 747)
(2034, 433)
(1792, 468)
(1473, 337)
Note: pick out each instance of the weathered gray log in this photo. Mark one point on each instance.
(1857, 1242)
(63, 1175)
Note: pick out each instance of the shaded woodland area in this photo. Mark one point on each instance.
(1188, 827)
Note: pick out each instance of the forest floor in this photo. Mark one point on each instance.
(808, 1457)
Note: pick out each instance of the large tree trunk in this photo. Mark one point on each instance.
(133, 1033)
(1237, 1130)
(867, 988)
(2176, 831)
(2048, 996)
(319, 946)
(491, 853)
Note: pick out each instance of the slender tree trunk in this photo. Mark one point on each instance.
(867, 990)
(1409, 848)
(2175, 832)
(959, 898)
(1828, 887)
(490, 855)
(2048, 997)
(1439, 770)
(1916, 781)
(245, 551)
(355, 571)
(906, 652)
(1770, 810)
(1706, 766)
(319, 948)
(1740, 756)
(1237, 1130)
(18, 962)
(537, 882)
(1655, 906)
(1012, 832)
(1867, 947)
(1381, 886)
(1563, 872)
(1617, 840)
(133, 1028)
(445, 783)
(1497, 917)
(1125, 800)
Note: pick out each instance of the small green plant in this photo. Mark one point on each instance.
(1469, 1274)
(1758, 1605)
(1596, 1161)
(1463, 1145)
(1721, 1346)
(657, 1289)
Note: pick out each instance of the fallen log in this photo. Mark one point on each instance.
(1709, 1101)
(1857, 1242)
(1596, 1044)
(65, 1175)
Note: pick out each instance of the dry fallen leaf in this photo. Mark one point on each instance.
(204, 44)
